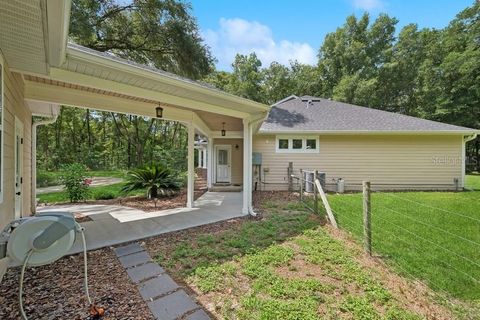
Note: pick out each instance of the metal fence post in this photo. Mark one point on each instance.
(315, 192)
(301, 185)
(367, 227)
(290, 179)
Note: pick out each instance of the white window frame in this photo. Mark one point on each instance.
(290, 139)
(2, 132)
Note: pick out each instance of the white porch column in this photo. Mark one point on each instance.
(204, 153)
(210, 164)
(247, 167)
(190, 165)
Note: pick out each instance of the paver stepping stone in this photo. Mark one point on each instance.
(157, 286)
(128, 249)
(198, 315)
(134, 259)
(144, 272)
(172, 306)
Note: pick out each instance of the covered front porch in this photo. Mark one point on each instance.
(112, 225)
(225, 123)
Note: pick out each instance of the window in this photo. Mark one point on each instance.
(283, 144)
(311, 144)
(297, 144)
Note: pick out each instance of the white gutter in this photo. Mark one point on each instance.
(35, 125)
(367, 132)
(254, 122)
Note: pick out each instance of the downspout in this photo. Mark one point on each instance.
(466, 139)
(251, 125)
(35, 125)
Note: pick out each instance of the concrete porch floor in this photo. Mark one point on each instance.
(112, 225)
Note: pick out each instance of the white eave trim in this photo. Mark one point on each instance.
(371, 132)
(90, 58)
(58, 22)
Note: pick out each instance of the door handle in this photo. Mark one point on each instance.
(18, 193)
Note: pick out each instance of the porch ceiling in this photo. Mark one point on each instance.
(214, 121)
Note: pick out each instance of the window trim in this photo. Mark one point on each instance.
(290, 139)
(2, 127)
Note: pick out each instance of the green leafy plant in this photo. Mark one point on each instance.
(104, 195)
(75, 180)
(156, 180)
(46, 179)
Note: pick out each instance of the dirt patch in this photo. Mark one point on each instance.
(260, 198)
(55, 291)
(80, 217)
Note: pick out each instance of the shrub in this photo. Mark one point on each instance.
(46, 179)
(156, 180)
(74, 178)
(104, 195)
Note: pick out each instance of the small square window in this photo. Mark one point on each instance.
(297, 144)
(311, 144)
(283, 144)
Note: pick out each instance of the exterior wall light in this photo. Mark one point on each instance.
(159, 112)
(224, 132)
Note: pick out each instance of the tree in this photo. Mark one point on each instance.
(162, 33)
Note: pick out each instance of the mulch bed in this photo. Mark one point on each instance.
(142, 203)
(56, 291)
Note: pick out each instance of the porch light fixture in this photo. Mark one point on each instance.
(224, 132)
(159, 112)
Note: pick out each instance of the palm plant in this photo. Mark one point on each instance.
(155, 179)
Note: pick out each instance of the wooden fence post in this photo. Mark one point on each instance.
(301, 185)
(367, 227)
(290, 179)
(315, 193)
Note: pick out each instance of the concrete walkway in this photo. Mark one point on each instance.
(96, 182)
(113, 225)
(164, 297)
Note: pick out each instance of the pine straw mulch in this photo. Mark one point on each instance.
(56, 291)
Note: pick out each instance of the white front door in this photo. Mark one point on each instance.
(223, 155)
(18, 167)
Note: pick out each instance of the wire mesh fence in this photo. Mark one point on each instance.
(432, 236)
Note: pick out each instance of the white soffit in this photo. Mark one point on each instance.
(22, 35)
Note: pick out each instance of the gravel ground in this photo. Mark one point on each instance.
(56, 291)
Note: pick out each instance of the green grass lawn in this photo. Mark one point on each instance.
(52, 178)
(283, 266)
(472, 181)
(101, 192)
(433, 236)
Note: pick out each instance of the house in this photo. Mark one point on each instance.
(40, 70)
(392, 151)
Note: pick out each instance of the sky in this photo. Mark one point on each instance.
(285, 30)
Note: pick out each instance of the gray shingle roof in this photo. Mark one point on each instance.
(309, 113)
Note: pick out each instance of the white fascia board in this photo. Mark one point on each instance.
(36, 91)
(200, 125)
(121, 88)
(150, 74)
(369, 132)
(58, 22)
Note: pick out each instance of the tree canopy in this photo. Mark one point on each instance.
(428, 73)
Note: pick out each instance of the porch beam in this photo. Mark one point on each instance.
(36, 91)
(201, 126)
(228, 135)
(190, 165)
(121, 88)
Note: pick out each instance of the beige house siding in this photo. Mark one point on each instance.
(237, 158)
(388, 161)
(14, 105)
